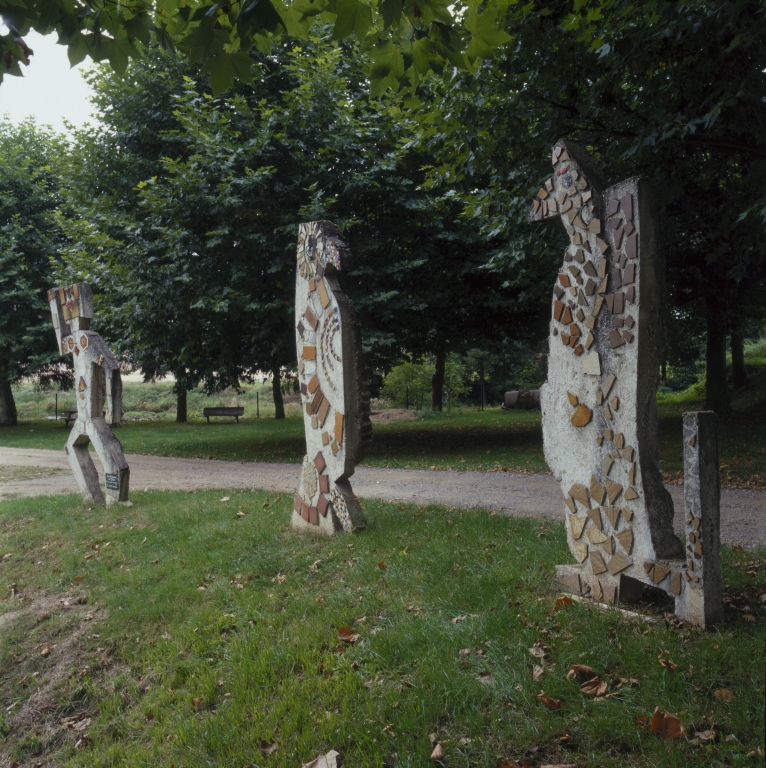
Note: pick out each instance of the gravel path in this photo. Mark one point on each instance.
(743, 513)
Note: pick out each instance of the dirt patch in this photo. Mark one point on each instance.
(392, 414)
(10, 474)
(48, 654)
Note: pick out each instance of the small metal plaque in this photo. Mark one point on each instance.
(112, 483)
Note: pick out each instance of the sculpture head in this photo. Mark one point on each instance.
(71, 311)
(320, 249)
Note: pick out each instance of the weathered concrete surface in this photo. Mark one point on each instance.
(743, 512)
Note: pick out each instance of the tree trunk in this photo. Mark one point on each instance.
(8, 415)
(716, 392)
(437, 381)
(276, 390)
(483, 393)
(738, 360)
(181, 395)
(181, 410)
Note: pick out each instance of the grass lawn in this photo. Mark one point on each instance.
(179, 633)
(464, 439)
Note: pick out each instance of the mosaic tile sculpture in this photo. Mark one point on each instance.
(99, 397)
(334, 385)
(599, 404)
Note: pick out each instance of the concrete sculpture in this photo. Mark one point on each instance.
(99, 396)
(333, 382)
(599, 404)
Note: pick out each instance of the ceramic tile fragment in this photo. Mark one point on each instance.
(591, 363)
(595, 515)
(580, 315)
(606, 464)
(576, 525)
(632, 474)
(612, 207)
(582, 415)
(558, 310)
(608, 434)
(619, 441)
(615, 340)
(613, 490)
(607, 411)
(589, 341)
(628, 453)
(597, 563)
(309, 353)
(580, 550)
(324, 484)
(338, 427)
(602, 246)
(618, 563)
(659, 572)
(627, 514)
(566, 316)
(676, 582)
(615, 403)
(626, 539)
(600, 440)
(570, 505)
(597, 492)
(613, 513)
(630, 246)
(626, 203)
(629, 275)
(580, 493)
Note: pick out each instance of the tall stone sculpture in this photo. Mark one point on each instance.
(99, 396)
(599, 403)
(334, 384)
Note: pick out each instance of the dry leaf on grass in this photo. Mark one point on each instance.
(562, 602)
(197, 701)
(225, 498)
(667, 663)
(548, 701)
(537, 672)
(268, 748)
(486, 678)
(579, 670)
(666, 725)
(315, 566)
(594, 687)
(348, 635)
(280, 578)
(724, 694)
(438, 752)
(642, 721)
(330, 760)
(560, 765)
(539, 650)
(381, 564)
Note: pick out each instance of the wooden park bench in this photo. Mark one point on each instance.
(69, 415)
(235, 411)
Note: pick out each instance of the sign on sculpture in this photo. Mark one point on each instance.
(599, 404)
(98, 387)
(334, 385)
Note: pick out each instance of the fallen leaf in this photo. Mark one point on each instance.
(438, 752)
(348, 635)
(579, 670)
(667, 663)
(706, 736)
(268, 748)
(280, 578)
(642, 720)
(46, 651)
(539, 650)
(666, 725)
(562, 602)
(560, 765)
(464, 652)
(382, 564)
(197, 701)
(225, 498)
(458, 618)
(594, 687)
(315, 566)
(402, 509)
(320, 598)
(548, 701)
(330, 760)
(486, 678)
(432, 737)
(537, 672)
(508, 764)
(240, 514)
(724, 694)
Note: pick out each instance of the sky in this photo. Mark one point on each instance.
(50, 90)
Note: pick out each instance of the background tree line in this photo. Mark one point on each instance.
(181, 207)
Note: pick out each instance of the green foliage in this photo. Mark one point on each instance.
(30, 239)
(408, 385)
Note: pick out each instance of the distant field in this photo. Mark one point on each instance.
(463, 438)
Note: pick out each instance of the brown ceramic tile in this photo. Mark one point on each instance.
(630, 247)
(619, 303)
(606, 464)
(597, 563)
(630, 494)
(595, 226)
(613, 490)
(629, 229)
(618, 322)
(320, 463)
(577, 222)
(629, 275)
(564, 157)
(607, 384)
(313, 516)
(324, 409)
(607, 411)
(629, 321)
(628, 336)
(619, 441)
(588, 268)
(586, 196)
(313, 384)
(626, 540)
(630, 295)
(323, 295)
(578, 350)
(600, 440)
(590, 322)
(579, 493)
(573, 341)
(602, 288)
(579, 256)
(555, 331)
(618, 563)
(602, 246)
(618, 233)
(564, 280)
(627, 514)
(570, 505)
(565, 339)
(301, 328)
(659, 572)
(324, 483)
(297, 503)
(608, 434)
(549, 185)
(615, 224)
(558, 310)
(312, 285)
(576, 525)
(595, 515)
(573, 399)
(315, 420)
(597, 493)
(536, 207)
(616, 278)
(566, 316)
(317, 401)
(542, 193)
(582, 415)
(325, 438)
(599, 397)
(552, 205)
(322, 506)
(305, 511)
(574, 330)
(577, 238)
(558, 292)
(612, 207)
(628, 453)
(309, 353)
(304, 389)
(574, 271)
(338, 427)
(544, 208)
(590, 287)
(675, 582)
(613, 515)
(590, 340)
(582, 301)
(610, 302)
